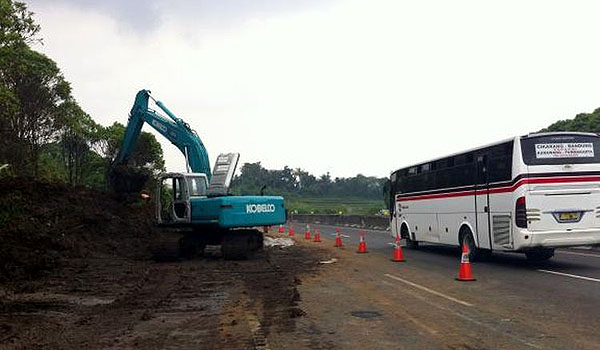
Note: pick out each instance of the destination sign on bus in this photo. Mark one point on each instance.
(564, 150)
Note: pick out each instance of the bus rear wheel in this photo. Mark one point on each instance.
(541, 254)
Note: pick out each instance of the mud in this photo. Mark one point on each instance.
(205, 303)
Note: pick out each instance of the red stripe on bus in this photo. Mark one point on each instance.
(511, 188)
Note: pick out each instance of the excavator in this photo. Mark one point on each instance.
(196, 203)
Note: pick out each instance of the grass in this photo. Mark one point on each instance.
(333, 205)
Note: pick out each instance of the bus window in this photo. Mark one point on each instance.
(560, 149)
(499, 162)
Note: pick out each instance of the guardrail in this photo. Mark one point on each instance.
(363, 221)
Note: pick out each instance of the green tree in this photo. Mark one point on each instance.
(36, 82)
(584, 122)
(78, 134)
(31, 84)
(147, 152)
(16, 24)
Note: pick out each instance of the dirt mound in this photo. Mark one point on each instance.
(42, 225)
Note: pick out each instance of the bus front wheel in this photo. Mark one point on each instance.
(468, 241)
(410, 244)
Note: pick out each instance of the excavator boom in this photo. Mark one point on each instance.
(174, 129)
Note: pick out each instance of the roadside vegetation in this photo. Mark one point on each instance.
(307, 194)
(45, 133)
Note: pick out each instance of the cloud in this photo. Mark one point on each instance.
(146, 16)
(348, 87)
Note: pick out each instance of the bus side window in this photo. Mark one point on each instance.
(500, 162)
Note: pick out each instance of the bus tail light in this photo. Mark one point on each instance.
(521, 213)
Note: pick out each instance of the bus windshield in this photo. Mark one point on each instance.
(560, 149)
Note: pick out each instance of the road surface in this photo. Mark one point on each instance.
(418, 304)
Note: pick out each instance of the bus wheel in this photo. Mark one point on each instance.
(410, 244)
(541, 254)
(467, 240)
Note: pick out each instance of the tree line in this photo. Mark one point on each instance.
(583, 122)
(44, 133)
(253, 178)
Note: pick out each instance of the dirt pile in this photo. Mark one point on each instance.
(43, 225)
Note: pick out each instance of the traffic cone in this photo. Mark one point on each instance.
(317, 236)
(291, 231)
(338, 239)
(398, 255)
(307, 233)
(281, 229)
(464, 272)
(362, 245)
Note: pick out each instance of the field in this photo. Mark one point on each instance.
(333, 205)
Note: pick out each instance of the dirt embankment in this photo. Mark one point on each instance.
(45, 225)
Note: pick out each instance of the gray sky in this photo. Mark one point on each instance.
(342, 86)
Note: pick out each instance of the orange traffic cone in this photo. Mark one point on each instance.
(338, 239)
(464, 272)
(291, 231)
(362, 245)
(317, 236)
(398, 255)
(281, 229)
(307, 233)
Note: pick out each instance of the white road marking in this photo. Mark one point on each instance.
(502, 331)
(572, 276)
(428, 290)
(580, 254)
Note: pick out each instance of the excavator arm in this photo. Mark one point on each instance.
(174, 129)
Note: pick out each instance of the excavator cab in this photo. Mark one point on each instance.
(174, 191)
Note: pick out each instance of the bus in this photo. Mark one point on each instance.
(528, 194)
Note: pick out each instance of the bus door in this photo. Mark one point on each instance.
(482, 203)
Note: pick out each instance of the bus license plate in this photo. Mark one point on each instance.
(569, 216)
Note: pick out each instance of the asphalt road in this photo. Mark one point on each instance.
(513, 304)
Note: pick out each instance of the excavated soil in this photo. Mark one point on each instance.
(76, 273)
(45, 225)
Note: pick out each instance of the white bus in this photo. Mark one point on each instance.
(528, 194)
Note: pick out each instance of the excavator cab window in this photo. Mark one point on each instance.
(174, 203)
(166, 200)
(180, 203)
(196, 186)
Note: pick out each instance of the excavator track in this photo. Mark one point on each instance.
(241, 244)
(174, 246)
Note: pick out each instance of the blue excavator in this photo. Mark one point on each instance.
(196, 203)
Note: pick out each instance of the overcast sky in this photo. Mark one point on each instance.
(341, 86)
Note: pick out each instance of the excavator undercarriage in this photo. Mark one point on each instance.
(178, 244)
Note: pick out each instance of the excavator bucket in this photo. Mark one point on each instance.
(124, 179)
